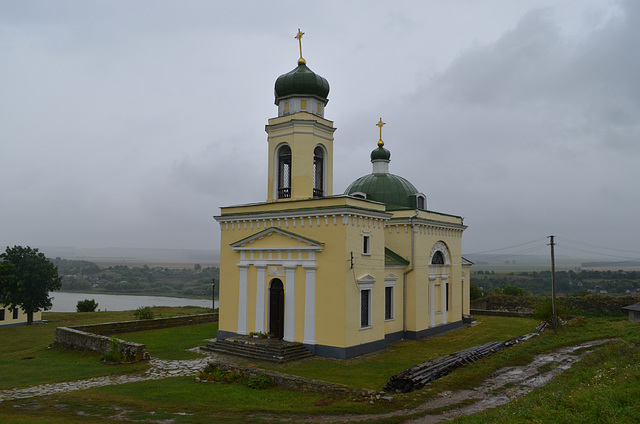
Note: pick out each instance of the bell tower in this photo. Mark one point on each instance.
(300, 138)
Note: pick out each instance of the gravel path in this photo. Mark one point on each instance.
(159, 369)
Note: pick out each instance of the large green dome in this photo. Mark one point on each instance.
(301, 81)
(392, 190)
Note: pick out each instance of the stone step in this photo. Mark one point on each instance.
(267, 350)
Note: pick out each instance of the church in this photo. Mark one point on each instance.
(344, 274)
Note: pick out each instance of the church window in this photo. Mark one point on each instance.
(318, 172)
(420, 201)
(388, 302)
(286, 107)
(365, 308)
(15, 313)
(319, 109)
(447, 295)
(366, 245)
(284, 172)
(438, 258)
(303, 105)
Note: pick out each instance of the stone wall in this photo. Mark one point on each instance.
(519, 314)
(70, 338)
(109, 328)
(94, 337)
(294, 382)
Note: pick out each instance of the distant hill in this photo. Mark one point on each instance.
(134, 256)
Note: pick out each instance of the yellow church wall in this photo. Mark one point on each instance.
(427, 232)
(396, 324)
(372, 265)
(333, 275)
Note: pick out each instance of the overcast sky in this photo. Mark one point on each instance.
(128, 124)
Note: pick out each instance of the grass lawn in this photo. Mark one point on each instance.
(27, 359)
(602, 387)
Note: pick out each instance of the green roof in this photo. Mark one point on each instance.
(392, 258)
(380, 154)
(301, 81)
(392, 190)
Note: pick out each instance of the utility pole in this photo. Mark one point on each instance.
(553, 286)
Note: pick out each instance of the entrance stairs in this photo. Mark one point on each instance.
(271, 350)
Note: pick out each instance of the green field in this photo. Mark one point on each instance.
(601, 388)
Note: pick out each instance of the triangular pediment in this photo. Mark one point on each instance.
(276, 238)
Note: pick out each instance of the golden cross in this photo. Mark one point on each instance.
(298, 36)
(381, 124)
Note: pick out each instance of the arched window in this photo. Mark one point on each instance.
(284, 172)
(437, 259)
(318, 172)
(420, 201)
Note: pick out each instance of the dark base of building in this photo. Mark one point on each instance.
(353, 351)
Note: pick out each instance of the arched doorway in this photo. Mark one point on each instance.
(276, 308)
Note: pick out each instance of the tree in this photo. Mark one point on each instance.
(26, 278)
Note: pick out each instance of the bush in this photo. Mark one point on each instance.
(118, 355)
(144, 312)
(543, 309)
(86, 305)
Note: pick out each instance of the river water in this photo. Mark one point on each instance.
(66, 302)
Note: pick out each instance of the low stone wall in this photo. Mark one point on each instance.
(109, 328)
(93, 337)
(294, 382)
(519, 314)
(70, 338)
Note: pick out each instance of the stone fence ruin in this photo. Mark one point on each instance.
(95, 337)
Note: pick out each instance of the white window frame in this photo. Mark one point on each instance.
(365, 284)
(390, 282)
(366, 242)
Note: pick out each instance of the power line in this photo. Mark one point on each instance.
(509, 247)
(599, 247)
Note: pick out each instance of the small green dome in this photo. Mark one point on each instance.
(380, 154)
(301, 81)
(392, 190)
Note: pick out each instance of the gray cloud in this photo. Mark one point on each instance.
(130, 124)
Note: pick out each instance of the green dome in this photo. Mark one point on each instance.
(392, 190)
(301, 81)
(380, 154)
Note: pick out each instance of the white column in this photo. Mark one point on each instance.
(310, 306)
(242, 300)
(432, 301)
(260, 298)
(443, 285)
(290, 304)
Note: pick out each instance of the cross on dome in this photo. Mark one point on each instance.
(298, 36)
(381, 124)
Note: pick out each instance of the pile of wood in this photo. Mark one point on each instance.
(418, 375)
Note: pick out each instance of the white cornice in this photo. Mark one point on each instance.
(308, 213)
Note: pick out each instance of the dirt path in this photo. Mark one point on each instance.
(500, 388)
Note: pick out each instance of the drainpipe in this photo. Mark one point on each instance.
(404, 278)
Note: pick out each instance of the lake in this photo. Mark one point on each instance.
(66, 302)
